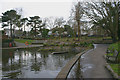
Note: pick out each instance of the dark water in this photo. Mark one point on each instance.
(75, 71)
(29, 63)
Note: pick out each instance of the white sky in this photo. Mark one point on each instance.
(42, 8)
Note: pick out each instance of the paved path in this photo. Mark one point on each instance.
(93, 63)
(22, 45)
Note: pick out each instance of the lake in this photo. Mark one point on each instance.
(30, 63)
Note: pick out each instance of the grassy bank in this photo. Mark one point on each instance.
(115, 46)
(112, 47)
(24, 40)
(115, 67)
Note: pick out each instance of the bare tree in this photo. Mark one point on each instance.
(50, 22)
(59, 22)
(105, 15)
(77, 15)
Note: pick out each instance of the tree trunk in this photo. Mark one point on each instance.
(75, 31)
(119, 31)
(35, 30)
(79, 32)
(24, 27)
(114, 39)
(24, 30)
(13, 33)
(11, 30)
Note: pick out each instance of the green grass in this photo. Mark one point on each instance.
(115, 68)
(115, 46)
(109, 54)
(24, 40)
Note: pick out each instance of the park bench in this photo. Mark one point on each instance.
(112, 58)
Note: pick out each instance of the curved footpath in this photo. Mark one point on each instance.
(93, 63)
(22, 45)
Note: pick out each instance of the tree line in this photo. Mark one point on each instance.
(100, 14)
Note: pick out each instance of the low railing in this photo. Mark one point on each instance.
(66, 69)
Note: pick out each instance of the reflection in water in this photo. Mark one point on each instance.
(32, 64)
(75, 71)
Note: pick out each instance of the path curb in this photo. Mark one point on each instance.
(23, 47)
(108, 67)
(66, 69)
(111, 71)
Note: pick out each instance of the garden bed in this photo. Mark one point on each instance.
(114, 67)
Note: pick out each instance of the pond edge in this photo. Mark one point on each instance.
(66, 69)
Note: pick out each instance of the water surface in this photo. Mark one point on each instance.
(29, 63)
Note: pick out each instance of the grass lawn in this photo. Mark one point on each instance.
(115, 67)
(110, 54)
(24, 40)
(115, 46)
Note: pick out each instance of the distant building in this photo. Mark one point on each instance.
(7, 32)
(56, 34)
(50, 33)
(17, 33)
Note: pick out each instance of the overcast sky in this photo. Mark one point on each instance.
(43, 8)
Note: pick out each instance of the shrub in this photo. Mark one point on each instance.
(114, 46)
(7, 40)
